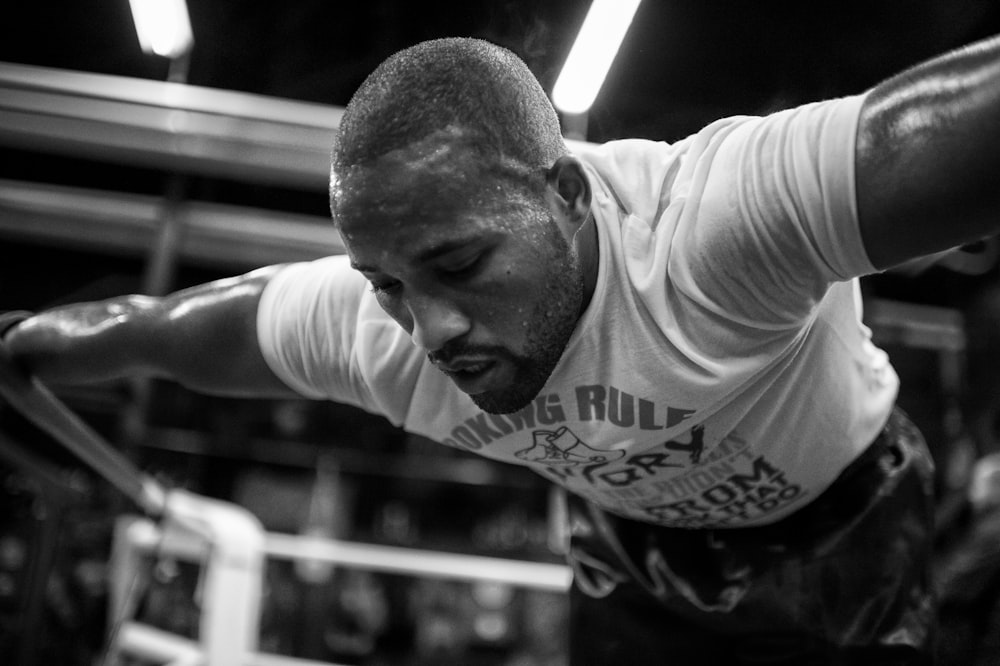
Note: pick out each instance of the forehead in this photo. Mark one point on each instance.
(434, 161)
(407, 215)
(445, 174)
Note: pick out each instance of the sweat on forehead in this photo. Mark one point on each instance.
(445, 171)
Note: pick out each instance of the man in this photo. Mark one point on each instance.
(670, 332)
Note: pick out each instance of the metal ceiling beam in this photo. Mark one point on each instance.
(213, 235)
(168, 126)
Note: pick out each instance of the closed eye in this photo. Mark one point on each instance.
(463, 265)
(383, 287)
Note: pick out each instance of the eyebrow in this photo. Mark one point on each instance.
(446, 247)
(432, 252)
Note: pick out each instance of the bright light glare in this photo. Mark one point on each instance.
(163, 26)
(593, 51)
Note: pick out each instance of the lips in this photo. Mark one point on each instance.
(470, 366)
(475, 376)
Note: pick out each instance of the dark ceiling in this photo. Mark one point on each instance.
(685, 62)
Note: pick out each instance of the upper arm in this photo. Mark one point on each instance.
(774, 220)
(206, 338)
(325, 335)
(928, 155)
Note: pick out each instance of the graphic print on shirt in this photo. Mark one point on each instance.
(562, 447)
(624, 465)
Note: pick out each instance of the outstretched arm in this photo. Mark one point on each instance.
(928, 156)
(203, 337)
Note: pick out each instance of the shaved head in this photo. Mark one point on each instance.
(446, 94)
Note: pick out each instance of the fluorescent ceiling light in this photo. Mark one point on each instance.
(163, 26)
(593, 51)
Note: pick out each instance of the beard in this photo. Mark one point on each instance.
(550, 325)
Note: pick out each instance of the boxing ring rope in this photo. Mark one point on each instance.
(427, 563)
(39, 405)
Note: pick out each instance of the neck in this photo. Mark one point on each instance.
(588, 249)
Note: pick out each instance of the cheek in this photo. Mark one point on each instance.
(395, 309)
(508, 314)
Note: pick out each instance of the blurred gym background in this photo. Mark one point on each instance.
(123, 171)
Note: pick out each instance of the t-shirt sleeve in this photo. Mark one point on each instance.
(770, 218)
(322, 333)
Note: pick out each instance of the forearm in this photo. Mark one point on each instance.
(203, 337)
(928, 158)
(85, 342)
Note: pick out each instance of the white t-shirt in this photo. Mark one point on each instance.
(721, 375)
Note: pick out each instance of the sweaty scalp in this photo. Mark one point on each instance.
(483, 89)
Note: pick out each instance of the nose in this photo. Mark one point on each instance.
(435, 321)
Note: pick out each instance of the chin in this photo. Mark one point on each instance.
(530, 378)
(503, 402)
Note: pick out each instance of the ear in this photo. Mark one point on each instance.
(567, 192)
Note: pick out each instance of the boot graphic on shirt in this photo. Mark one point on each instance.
(562, 447)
